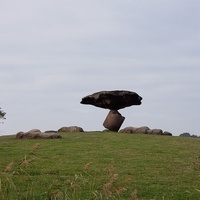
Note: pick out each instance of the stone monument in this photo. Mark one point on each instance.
(113, 100)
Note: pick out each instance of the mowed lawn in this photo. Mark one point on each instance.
(100, 165)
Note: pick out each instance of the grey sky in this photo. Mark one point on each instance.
(53, 53)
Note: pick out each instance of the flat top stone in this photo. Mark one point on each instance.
(113, 100)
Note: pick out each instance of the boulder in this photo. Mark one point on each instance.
(185, 135)
(167, 133)
(113, 100)
(37, 135)
(155, 131)
(127, 130)
(113, 120)
(130, 129)
(19, 135)
(71, 129)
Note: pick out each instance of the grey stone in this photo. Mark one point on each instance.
(155, 132)
(113, 121)
(71, 129)
(167, 133)
(19, 135)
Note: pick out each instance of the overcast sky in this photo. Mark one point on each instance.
(54, 52)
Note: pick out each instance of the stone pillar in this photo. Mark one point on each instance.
(113, 121)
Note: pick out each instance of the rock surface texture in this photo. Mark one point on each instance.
(113, 100)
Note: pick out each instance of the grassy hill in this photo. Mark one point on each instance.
(100, 165)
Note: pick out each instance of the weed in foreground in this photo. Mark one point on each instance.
(9, 167)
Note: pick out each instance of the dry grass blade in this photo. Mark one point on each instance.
(107, 189)
(35, 148)
(111, 169)
(121, 190)
(75, 186)
(127, 181)
(10, 181)
(87, 166)
(134, 195)
(25, 162)
(114, 177)
(9, 167)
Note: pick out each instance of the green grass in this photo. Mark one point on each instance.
(100, 165)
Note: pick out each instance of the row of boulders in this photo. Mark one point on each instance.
(50, 134)
(144, 130)
(188, 135)
(36, 134)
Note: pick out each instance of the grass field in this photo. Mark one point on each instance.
(100, 165)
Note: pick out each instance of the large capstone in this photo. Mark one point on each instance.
(113, 100)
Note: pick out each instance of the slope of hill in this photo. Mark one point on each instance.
(100, 165)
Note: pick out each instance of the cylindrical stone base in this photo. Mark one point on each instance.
(113, 121)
